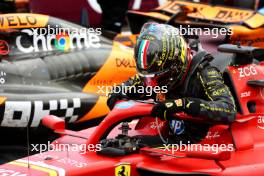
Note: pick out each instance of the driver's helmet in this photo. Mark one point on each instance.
(162, 55)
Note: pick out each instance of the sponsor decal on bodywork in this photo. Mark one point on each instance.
(123, 169)
(22, 113)
(39, 166)
(245, 94)
(9, 172)
(261, 122)
(124, 62)
(8, 21)
(217, 13)
(63, 41)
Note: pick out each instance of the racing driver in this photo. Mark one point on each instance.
(194, 86)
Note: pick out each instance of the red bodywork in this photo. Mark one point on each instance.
(244, 138)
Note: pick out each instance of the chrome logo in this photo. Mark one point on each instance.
(62, 42)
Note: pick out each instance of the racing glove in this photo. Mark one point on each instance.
(164, 110)
(113, 98)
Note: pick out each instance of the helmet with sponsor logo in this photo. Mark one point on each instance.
(162, 55)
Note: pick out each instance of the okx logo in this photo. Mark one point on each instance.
(62, 42)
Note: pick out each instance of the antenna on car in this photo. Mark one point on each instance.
(160, 135)
(238, 44)
(28, 142)
(67, 151)
(256, 5)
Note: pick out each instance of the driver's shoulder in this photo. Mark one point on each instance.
(210, 72)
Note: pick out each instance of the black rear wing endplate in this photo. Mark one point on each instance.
(256, 83)
(243, 54)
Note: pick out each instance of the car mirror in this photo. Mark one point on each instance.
(54, 123)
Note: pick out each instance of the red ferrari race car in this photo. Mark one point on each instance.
(114, 147)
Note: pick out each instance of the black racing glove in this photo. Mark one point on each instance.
(164, 110)
(113, 98)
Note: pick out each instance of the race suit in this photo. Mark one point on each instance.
(206, 97)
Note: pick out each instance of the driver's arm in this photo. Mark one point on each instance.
(219, 105)
(128, 89)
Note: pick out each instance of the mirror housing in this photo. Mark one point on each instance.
(53, 122)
